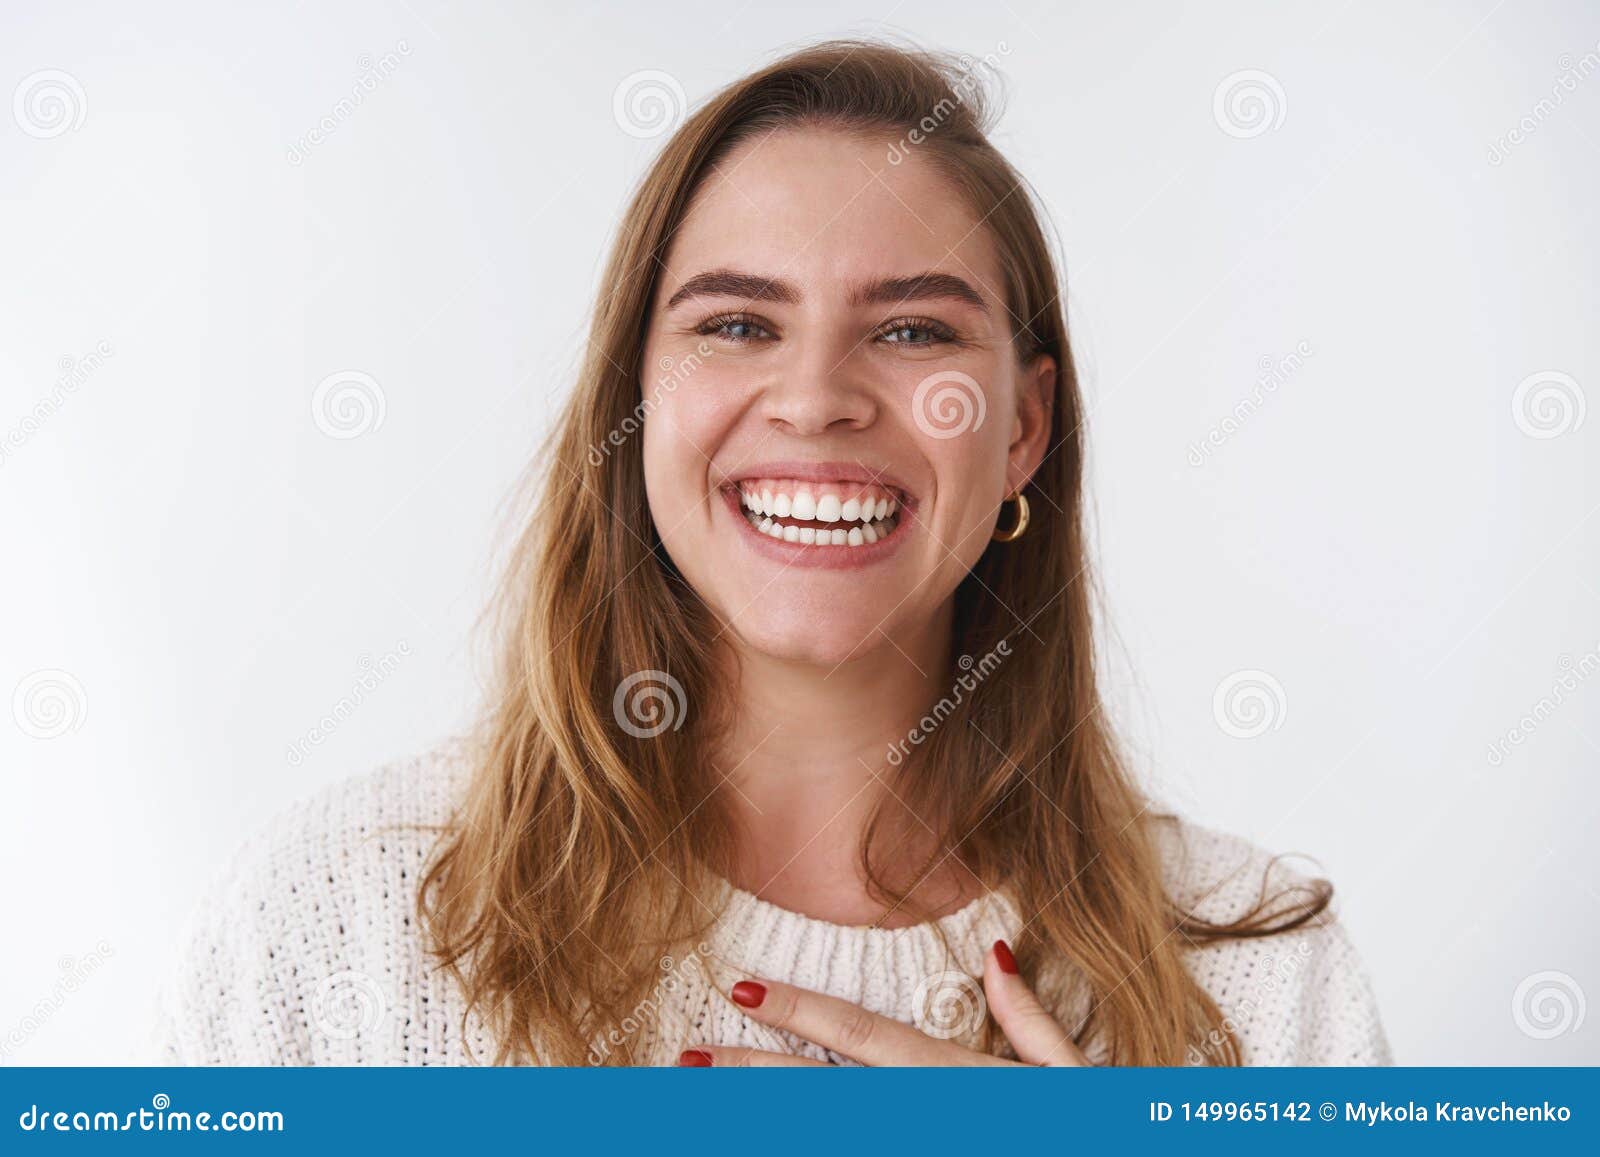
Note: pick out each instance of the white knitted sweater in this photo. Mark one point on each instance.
(307, 951)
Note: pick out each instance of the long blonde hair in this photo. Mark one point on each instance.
(572, 863)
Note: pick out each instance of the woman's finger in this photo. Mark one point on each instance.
(717, 1056)
(847, 1029)
(1035, 1035)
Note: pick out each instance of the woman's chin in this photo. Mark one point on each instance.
(820, 641)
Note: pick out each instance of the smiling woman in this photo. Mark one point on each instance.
(739, 797)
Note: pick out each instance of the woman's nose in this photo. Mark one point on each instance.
(819, 391)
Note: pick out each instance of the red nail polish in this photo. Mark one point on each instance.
(694, 1059)
(1003, 957)
(749, 993)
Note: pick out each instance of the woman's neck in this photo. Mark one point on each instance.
(804, 765)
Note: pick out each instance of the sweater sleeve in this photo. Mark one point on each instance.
(225, 1001)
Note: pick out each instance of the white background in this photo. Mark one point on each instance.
(1382, 535)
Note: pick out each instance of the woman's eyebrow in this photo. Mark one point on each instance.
(883, 291)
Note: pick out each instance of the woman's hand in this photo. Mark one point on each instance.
(863, 1036)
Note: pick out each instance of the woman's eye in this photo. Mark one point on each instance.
(915, 333)
(735, 329)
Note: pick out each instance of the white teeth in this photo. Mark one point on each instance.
(851, 511)
(873, 517)
(827, 508)
(780, 506)
(791, 534)
(855, 537)
(868, 533)
(804, 505)
(883, 508)
(808, 535)
(765, 526)
(766, 502)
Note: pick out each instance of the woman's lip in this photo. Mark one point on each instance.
(801, 471)
(800, 554)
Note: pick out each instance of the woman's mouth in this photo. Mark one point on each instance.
(841, 523)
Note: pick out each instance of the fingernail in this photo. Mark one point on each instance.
(694, 1059)
(749, 993)
(1003, 957)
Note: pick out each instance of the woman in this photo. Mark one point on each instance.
(797, 755)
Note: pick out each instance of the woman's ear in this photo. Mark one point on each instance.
(1036, 402)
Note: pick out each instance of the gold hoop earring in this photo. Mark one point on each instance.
(1022, 519)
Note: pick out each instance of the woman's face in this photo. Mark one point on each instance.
(836, 409)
